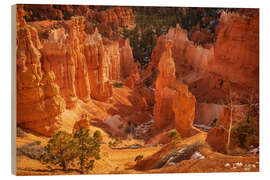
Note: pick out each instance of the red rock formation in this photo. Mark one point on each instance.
(184, 52)
(126, 58)
(84, 122)
(175, 105)
(39, 103)
(207, 113)
(42, 12)
(64, 55)
(117, 16)
(84, 64)
(201, 36)
(184, 110)
(237, 49)
(217, 137)
(163, 112)
(98, 63)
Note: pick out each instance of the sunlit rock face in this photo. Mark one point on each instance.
(230, 62)
(184, 52)
(67, 65)
(175, 105)
(39, 103)
(86, 64)
(184, 110)
(237, 49)
(98, 63)
(63, 53)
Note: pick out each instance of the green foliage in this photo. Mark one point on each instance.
(175, 136)
(139, 157)
(86, 147)
(63, 149)
(247, 133)
(60, 150)
(97, 136)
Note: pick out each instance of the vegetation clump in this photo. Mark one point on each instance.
(64, 150)
(118, 84)
(139, 157)
(247, 133)
(175, 136)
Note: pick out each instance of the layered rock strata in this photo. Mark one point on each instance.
(39, 103)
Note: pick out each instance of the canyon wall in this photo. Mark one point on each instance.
(85, 64)
(232, 62)
(39, 103)
(184, 52)
(63, 67)
(237, 49)
(117, 16)
(217, 137)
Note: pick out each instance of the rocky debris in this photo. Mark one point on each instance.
(238, 165)
(197, 155)
(202, 127)
(116, 124)
(255, 151)
(161, 139)
(179, 155)
(143, 130)
(32, 150)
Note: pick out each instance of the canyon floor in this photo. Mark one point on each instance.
(120, 159)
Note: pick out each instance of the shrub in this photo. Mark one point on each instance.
(97, 136)
(86, 147)
(175, 136)
(60, 150)
(63, 149)
(247, 133)
(139, 157)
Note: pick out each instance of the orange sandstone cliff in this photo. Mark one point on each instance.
(39, 103)
(175, 105)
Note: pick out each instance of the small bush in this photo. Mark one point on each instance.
(97, 136)
(118, 84)
(139, 157)
(247, 133)
(86, 148)
(60, 150)
(175, 136)
(63, 149)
